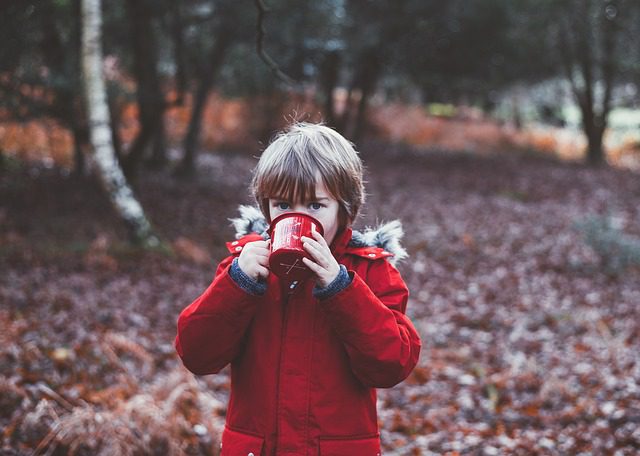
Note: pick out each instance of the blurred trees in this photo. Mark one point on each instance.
(111, 176)
(164, 52)
(594, 45)
(40, 66)
(150, 99)
(589, 52)
(229, 22)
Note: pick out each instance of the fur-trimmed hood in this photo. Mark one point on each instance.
(386, 235)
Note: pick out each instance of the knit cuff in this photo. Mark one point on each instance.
(245, 282)
(341, 282)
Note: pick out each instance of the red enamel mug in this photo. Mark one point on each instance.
(287, 252)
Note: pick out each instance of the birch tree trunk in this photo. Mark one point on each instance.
(110, 174)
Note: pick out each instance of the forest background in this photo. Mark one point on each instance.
(505, 135)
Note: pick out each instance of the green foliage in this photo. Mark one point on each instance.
(441, 109)
(123, 251)
(9, 164)
(617, 250)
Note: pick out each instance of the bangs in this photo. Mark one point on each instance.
(289, 177)
(298, 159)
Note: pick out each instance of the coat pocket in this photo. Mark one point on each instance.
(369, 446)
(236, 443)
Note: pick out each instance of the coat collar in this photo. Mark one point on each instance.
(341, 241)
(381, 241)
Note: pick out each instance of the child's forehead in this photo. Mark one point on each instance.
(318, 196)
(290, 199)
(301, 193)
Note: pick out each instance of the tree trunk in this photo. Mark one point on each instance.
(79, 119)
(595, 151)
(516, 116)
(179, 51)
(361, 115)
(343, 122)
(369, 71)
(581, 53)
(594, 131)
(192, 139)
(114, 118)
(151, 103)
(328, 81)
(159, 152)
(111, 177)
(65, 63)
(79, 141)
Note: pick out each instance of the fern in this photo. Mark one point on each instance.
(617, 250)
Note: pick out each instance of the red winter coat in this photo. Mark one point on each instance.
(303, 371)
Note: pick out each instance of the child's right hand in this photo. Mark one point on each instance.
(254, 259)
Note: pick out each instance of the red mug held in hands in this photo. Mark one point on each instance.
(287, 252)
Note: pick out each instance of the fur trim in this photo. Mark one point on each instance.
(386, 236)
(250, 221)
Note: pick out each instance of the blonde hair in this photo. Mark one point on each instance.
(289, 166)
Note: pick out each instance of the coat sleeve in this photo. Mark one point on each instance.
(211, 329)
(369, 317)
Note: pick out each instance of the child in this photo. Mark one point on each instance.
(305, 357)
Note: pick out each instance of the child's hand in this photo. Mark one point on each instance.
(324, 266)
(254, 259)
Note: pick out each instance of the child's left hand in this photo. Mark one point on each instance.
(325, 267)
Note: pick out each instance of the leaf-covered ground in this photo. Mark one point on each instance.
(531, 339)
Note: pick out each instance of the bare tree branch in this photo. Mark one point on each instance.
(610, 28)
(273, 66)
(566, 58)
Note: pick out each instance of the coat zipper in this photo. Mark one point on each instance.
(293, 286)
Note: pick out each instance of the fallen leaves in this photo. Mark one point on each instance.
(189, 250)
(528, 347)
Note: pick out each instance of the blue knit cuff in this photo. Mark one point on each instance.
(341, 282)
(245, 282)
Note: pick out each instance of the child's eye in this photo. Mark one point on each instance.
(315, 206)
(282, 206)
